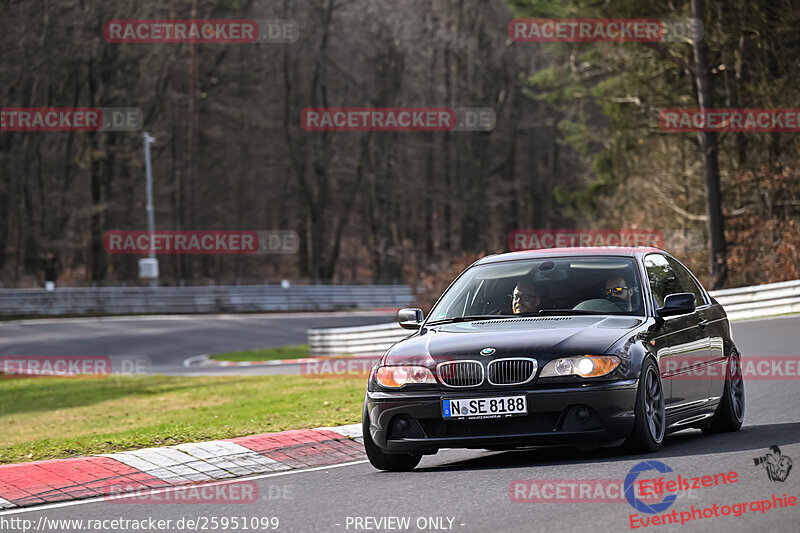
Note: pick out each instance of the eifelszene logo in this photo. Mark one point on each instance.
(638, 504)
(777, 466)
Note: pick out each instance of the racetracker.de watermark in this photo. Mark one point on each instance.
(397, 119)
(71, 119)
(534, 239)
(338, 367)
(68, 366)
(361, 366)
(172, 242)
(201, 31)
(759, 367)
(730, 119)
(582, 490)
(610, 30)
(240, 492)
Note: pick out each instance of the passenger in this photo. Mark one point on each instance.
(526, 297)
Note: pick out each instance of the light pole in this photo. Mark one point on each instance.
(148, 268)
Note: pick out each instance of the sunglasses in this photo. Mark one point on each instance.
(616, 290)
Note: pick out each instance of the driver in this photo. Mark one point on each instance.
(619, 291)
(526, 297)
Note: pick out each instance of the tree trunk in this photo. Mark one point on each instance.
(718, 266)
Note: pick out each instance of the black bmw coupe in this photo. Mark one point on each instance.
(591, 346)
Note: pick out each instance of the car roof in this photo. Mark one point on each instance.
(619, 251)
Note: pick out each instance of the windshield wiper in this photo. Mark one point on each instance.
(469, 318)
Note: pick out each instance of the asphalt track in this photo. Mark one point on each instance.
(167, 341)
(472, 487)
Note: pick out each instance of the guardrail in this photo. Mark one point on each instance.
(760, 300)
(358, 340)
(220, 299)
(741, 303)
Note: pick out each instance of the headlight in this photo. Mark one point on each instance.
(397, 376)
(585, 366)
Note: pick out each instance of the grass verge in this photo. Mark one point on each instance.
(51, 418)
(294, 351)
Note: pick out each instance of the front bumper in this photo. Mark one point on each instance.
(412, 422)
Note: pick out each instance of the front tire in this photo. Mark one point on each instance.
(730, 412)
(391, 462)
(650, 424)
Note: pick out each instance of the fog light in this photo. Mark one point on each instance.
(401, 425)
(580, 418)
(405, 427)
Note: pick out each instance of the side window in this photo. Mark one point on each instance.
(687, 281)
(662, 278)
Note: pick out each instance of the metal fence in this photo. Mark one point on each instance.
(359, 340)
(760, 300)
(741, 303)
(100, 301)
(745, 302)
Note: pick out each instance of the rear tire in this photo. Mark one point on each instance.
(650, 425)
(391, 462)
(730, 411)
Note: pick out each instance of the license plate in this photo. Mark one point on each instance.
(485, 407)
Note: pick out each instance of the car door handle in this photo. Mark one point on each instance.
(702, 323)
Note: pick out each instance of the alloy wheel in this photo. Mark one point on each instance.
(736, 386)
(654, 405)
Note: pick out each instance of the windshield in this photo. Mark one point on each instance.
(583, 285)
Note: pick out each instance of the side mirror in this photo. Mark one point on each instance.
(677, 304)
(410, 318)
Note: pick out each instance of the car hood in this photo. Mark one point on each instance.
(542, 337)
